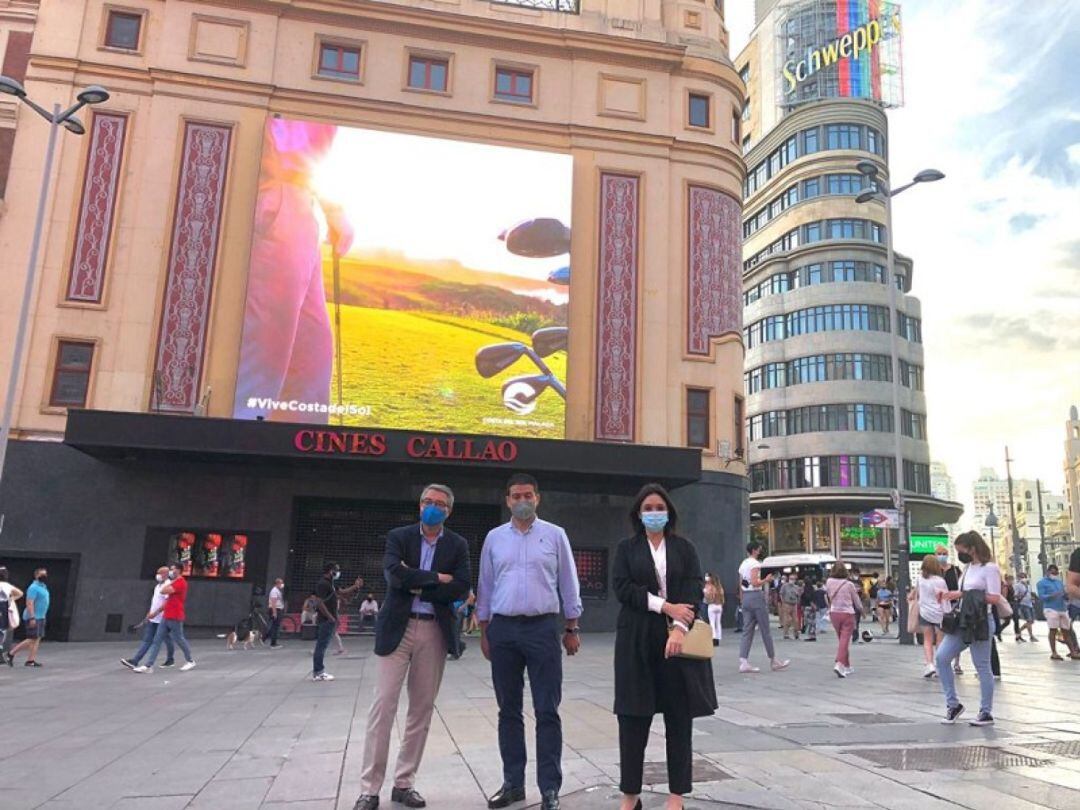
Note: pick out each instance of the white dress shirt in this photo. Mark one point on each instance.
(659, 557)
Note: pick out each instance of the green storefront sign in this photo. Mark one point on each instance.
(927, 543)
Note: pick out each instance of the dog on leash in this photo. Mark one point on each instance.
(242, 634)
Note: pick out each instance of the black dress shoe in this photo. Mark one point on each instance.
(407, 797)
(366, 803)
(507, 796)
(550, 800)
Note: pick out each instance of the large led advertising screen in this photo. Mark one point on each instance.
(407, 282)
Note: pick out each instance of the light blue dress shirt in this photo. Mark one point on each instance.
(526, 573)
(427, 559)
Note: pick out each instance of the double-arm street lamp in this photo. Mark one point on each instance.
(879, 190)
(94, 94)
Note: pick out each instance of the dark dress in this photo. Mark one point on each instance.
(646, 683)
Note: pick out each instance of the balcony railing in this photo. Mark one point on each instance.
(565, 6)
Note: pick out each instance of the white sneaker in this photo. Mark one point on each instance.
(849, 670)
(187, 666)
(929, 671)
(322, 676)
(143, 669)
(745, 666)
(838, 668)
(779, 665)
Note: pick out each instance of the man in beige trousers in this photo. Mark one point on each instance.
(427, 569)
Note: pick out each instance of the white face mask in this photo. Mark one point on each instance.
(159, 578)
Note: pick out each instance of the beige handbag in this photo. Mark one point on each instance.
(698, 642)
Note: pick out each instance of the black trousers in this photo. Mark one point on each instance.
(520, 644)
(634, 736)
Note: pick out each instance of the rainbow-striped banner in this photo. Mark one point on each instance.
(859, 77)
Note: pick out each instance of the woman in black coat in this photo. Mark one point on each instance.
(657, 580)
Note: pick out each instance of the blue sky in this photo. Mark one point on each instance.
(992, 99)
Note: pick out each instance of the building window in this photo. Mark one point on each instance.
(122, 30)
(71, 376)
(744, 73)
(740, 427)
(697, 417)
(427, 73)
(698, 111)
(514, 84)
(735, 127)
(339, 62)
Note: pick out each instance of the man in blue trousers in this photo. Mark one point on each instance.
(526, 569)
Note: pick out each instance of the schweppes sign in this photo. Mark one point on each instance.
(852, 51)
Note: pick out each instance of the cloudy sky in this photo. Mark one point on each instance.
(992, 99)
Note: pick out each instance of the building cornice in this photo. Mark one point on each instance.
(357, 110)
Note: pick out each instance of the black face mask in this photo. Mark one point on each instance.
(43, 579)
(964, 557)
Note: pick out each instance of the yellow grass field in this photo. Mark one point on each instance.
(415, 371)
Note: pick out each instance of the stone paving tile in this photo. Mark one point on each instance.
(249, 729)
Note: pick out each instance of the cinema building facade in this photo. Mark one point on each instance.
(310, 255)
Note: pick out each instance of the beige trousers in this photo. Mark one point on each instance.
(418, 661)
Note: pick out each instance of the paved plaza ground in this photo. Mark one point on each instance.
(250, 730)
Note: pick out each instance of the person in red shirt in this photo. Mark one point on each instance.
(172, 621)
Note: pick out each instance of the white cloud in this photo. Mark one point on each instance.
(1000, 307)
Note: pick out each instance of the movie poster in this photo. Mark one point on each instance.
(407, 282)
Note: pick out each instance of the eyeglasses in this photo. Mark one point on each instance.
(430, 502)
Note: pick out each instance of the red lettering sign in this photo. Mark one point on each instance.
(450, 448)
(338, 442)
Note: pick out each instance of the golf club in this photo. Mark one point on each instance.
(549, 340)
(521, 393)
(490, 360)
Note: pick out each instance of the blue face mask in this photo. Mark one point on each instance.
(654, 521)
(943, 558)
(431, 515)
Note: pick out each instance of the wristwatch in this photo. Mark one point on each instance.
(572, 630)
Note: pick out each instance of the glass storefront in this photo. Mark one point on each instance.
(856, 536)
(790, 535)
(821, 533)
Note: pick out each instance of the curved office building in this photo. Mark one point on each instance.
(819, 372)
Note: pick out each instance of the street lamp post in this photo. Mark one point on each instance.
(94, 94)
(991, 523)
(879, 190)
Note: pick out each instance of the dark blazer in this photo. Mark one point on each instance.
(401, 565)
(639, 633)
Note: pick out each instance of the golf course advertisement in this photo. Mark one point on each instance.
(407, 282)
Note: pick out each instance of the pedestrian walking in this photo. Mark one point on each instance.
(657, 580)
(755, 613)
(526, 570)
(151, 622)
(327, 599)
(426, 566)
(1051, 591)
(845, 603)
(951, 574)
(929, 588)
(1025, 607)
(34, 614)
(884, 598)
(808, 605)
(275, 603)
(969, 626)
(789, 599)
(9, 615)
(714, 606)
(173, 614)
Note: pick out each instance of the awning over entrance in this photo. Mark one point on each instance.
(926, 511)
(113, 435)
